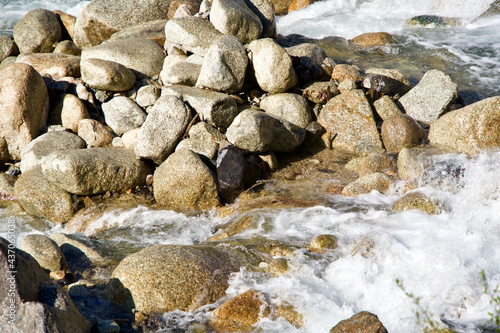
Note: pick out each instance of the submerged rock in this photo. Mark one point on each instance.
(373, 39)
(419, 201)
(362, 322)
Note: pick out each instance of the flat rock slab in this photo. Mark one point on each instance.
(95, 170)
(431, 97)
(56, 65)
(192, 33)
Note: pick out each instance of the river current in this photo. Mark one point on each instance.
(437, 257)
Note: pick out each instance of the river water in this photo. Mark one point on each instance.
(438, 258)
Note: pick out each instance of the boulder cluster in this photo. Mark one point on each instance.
(193, 102)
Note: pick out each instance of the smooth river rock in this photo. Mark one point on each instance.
(56, 65)
(106, 75)
(184, 182)
(193, 34)
(122, 114)
(95, 170)
(38, 31)
(164, 125)
(470, 129)
(288, 106)
(260, 132)
(143, 56)
(24, 102)
(164, 278)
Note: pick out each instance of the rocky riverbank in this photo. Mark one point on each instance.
(195, 107)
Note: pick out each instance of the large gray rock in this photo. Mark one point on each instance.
(431, 97)
(95, 170)
(193, 34)
(143, 56)
(56, 65)
(45, 251)
(260, 132)
(224, 65)
(36, 150)
(41, 198)
(29, 303)
(38, 31)
(7, 47)
(233, 17)
(206, 148)
(122, 114)
(470, 129)
(24, 102)
(184, 182)
(106, 75)
(215, 108)
(348, 120)
(272, 65)
(177, 70)
(164, 278)
(288, 106)
(164, 125)
(102, 18)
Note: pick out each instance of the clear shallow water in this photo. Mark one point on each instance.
(438, 258)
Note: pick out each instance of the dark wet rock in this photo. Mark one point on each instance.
(184, 182)
(362, 322)
(377, 84)
(435, 21)
(37, 31)
(419, 201)
(400, 83)
(259, 132)
(168, 277)
(165, 124)
(95, 170)
(29, 302)
(25, 106)
(38, 196)
(401, 131)
(430, 98)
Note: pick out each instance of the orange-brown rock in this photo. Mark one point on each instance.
(300, 4)
(343, 71)
(240, 313)
(373, 39)
(67, 22)
(362, 322)
(401, 131)
(281, 6)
